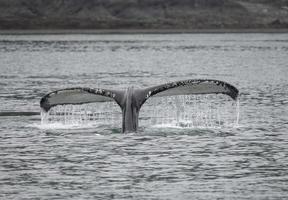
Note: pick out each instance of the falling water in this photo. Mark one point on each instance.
(192, 111)
(93, 113)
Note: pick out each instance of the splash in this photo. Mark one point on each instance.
(191, 111)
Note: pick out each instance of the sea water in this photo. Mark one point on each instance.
(247, 161)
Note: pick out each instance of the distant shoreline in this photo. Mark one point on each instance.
(136, 31)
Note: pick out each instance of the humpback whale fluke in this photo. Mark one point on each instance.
(132, 99)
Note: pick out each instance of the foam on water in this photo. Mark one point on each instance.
(183, 111)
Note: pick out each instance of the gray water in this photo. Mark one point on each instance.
(249, 161)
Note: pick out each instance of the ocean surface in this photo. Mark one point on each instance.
(247, 161)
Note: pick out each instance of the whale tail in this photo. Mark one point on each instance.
(131, 100)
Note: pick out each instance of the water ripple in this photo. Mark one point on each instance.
(99, 162)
